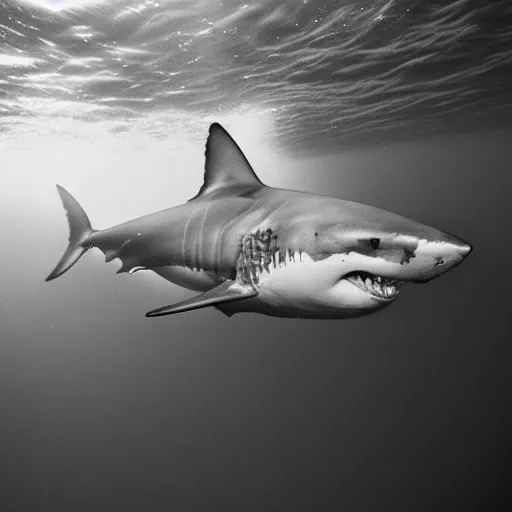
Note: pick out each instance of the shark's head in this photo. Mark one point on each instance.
(369, 253)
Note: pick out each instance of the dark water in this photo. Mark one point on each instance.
(405, 105)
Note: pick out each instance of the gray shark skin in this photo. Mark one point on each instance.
(249, 247)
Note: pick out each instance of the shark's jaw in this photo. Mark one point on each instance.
(382, 288)
(300, 286)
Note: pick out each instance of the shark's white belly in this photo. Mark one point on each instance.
(302, 287)
(301, 282)
(297, 286)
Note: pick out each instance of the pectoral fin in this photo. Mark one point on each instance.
(225, 292)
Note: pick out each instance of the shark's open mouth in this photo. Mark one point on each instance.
(382, 288)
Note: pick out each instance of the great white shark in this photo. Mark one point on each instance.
(248, 247)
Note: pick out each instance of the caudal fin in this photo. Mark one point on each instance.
(79, 230)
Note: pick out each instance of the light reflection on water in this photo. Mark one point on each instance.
(327, 72)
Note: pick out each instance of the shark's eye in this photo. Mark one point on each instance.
(374, 242)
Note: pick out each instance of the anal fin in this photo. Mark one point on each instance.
(225, 292)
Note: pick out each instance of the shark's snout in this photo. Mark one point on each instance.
(433, 258)
(464, 249)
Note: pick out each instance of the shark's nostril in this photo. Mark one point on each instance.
(439, 261)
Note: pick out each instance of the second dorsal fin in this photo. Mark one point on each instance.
(225, 164)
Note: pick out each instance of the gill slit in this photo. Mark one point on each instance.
(184, 240)
(199, 243)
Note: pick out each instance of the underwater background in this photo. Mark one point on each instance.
(402, 104)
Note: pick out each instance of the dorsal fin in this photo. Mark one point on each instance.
(225, 164)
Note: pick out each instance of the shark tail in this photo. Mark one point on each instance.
(79, 231)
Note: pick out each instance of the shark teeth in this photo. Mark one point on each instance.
(377, 286)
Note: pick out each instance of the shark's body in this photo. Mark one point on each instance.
(253, 248)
